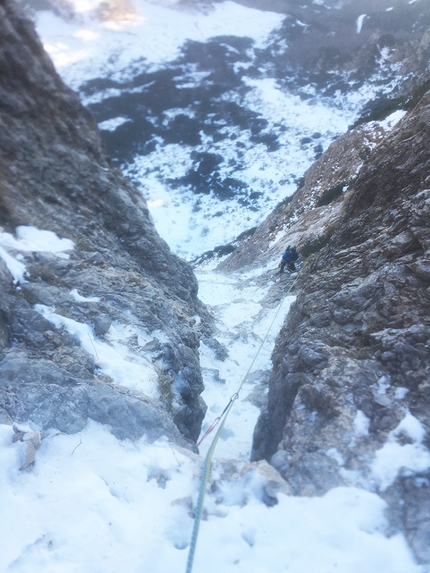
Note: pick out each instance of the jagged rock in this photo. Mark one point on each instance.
(353, 357)
(301, 218)
(102, 324)
(43, 392)
(55, 177)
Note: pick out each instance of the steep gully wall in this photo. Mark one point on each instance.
(54, 176)
(357, 338)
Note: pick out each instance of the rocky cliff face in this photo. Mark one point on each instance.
(55, 177)
(351, 366)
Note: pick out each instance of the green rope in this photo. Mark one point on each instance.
(208, 458)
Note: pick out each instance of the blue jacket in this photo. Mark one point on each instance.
(290, 256)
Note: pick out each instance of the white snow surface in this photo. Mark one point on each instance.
(360, 21)
(394, 457)
(145, 36)
(29, 239)
(79, 298)
(93, 503)
(153, 31)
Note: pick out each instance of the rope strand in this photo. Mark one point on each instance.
(208, 458)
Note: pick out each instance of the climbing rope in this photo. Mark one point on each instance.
(208, 458)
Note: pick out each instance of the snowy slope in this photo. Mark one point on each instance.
(197, 104)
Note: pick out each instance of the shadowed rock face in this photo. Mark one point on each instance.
(353, 358)
(54, 176)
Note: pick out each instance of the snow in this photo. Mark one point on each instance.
(394, 457)
(410, 427)
(113, 46)
(15, 267)
(113, 357)
(244, 325)
(146, 37)
(400, 392)
(94, 503)
(389, 122)
(383, 384)
(30, 239)
(190, 225)
(112, 124)
(336, 455)
(361, 424)
(360, 21)
(76, 296)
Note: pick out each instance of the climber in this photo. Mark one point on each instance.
(288, 258)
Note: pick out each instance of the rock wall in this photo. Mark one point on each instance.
(55, 177)
(351, 366)
(309, 217)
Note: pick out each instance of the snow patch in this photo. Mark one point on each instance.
(30, 239)
(400, 393)
(76, 296)
(361, 424)
(114, 357)
(408, 458)
(33, 239)
(359, 24)
(336, 455)
(15, 267)
(394, 118)
(383, 384)
(112, 124)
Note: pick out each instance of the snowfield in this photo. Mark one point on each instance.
(263, 136)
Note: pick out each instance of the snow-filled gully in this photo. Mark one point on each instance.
(93, 503)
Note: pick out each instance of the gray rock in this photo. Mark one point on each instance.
(359, 330)
(41, 392)
(102, 324)
(55, 177)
